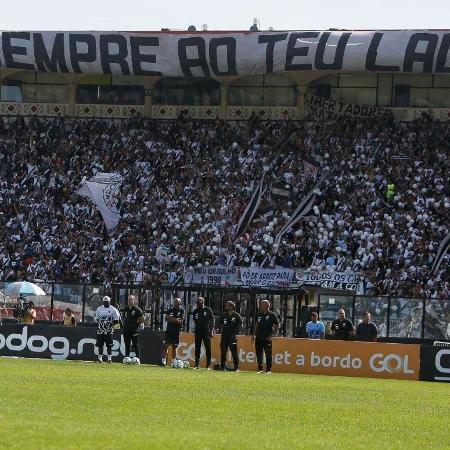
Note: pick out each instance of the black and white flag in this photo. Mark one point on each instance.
(440, 254)
(103, 190)
(302, 209)
(250, 210)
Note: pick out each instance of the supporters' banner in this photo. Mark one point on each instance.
(328, 109)
(316, 357)
(225, 54)
(103, 190)
(440, 254)
(218, 275)
(257, 276)
(339, 281)
(250, 209)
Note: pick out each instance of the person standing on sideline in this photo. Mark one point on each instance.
(106, 317)
(133, 321)
(204, 326)
(267, 325)
(174, 319)
(366, 330)
(314, 328)
(342, 328)
(230, 324)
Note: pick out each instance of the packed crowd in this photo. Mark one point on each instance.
(382, 211)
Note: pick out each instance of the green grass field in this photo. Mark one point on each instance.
(56, 405)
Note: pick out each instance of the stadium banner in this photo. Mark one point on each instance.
(339, 281)
(74, 343)
(328, 109)
(319, 357)
(215, 275)
(257, 276)
(215, 54)
(434, 363)
(103, 190)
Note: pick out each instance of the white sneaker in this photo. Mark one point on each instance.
(196, 368)
(269, 372)
(208, 368)
(260, 371)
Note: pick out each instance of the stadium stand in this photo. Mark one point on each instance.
(383, 208)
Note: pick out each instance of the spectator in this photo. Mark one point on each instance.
(51, 234)
(29, 314)
(69, 320)
(342, 328)
(314, 328)
(366, 330)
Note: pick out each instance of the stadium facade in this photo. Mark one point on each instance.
(277, 75)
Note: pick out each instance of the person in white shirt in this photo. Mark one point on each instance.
(106, 317)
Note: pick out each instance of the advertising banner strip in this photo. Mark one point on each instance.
(75, 343)
(215, 54)
(337, 358)
(435, 363)
(318, 357)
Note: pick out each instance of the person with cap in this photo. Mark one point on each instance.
(230, 323)
(106, 316)
(133, 320)
(174, 318)
(204, 327)
(267, 325)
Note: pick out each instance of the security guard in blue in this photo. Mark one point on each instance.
(230, 324)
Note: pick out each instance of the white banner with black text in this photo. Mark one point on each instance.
(339, 281)
(259, 277)
(215, 54)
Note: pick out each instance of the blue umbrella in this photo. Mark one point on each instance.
(24, 288)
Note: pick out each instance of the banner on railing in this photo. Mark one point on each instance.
(328, 109)
(259, 277)
(215, 275)
(215, 54)
(339, 281)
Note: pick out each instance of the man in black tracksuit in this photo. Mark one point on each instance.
(266, 326)
(204, 326)
(174, 319)
(230, 323)
(133, 320)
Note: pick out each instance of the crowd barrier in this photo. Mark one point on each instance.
(303, 356)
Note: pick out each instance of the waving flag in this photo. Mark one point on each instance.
(103, 190)
(250, 210)
(441, 252)
(302, 209)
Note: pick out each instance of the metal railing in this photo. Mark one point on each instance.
(396, 317)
